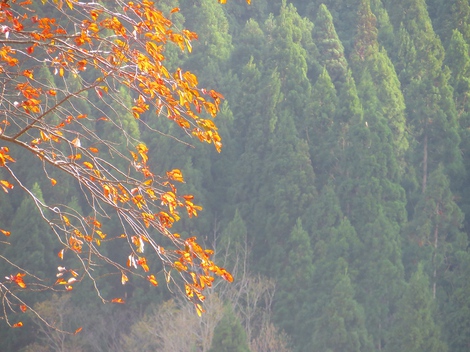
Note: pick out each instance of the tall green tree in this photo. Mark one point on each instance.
(415, 329)
(437, 225)
(329, 46)
(341, 326)
(295, 288)
(455, 308)
(31, 242)
(229, 335)
(319, 129)
(429, 98)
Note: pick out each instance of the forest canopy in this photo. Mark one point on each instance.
(339, 202)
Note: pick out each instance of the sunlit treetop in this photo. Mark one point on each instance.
(106, 47)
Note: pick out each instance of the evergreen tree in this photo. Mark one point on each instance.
(458, 60)
(414, 328)
(212, 51)
(31, 241)
(234, 240)
(430, 106)
(436, 224)
(229, 335)
(385, 28)
(341, 326)
(295, 287)
(385, 97)
(456, 306)
(344, 14)
(329, 46)
(318, 128)
(289, 56)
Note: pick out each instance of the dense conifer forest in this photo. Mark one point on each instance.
(340, 201)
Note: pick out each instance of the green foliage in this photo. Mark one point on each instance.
(229, 335)
(330, 48)
(415, 329)
(295, 286)
(341, 326)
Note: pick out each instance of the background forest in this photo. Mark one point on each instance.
(340, 201)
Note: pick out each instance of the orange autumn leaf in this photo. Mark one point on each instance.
(78, 330)
(17, 325)
(18, 279)
(152, 280)
(227, 276)
(6, 185)
(23, 308)
(143, 263)
(6, 233)
(118, 300)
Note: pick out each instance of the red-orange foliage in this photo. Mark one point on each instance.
(119, 44)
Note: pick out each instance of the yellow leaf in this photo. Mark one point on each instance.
(53, 181)
(199, 309)
(180, 267)
(6, 185)
(66, 220)
(142, 149)
(70, 4)
(175, 174)
(44, 136)
(124, 278)
(88, 165)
